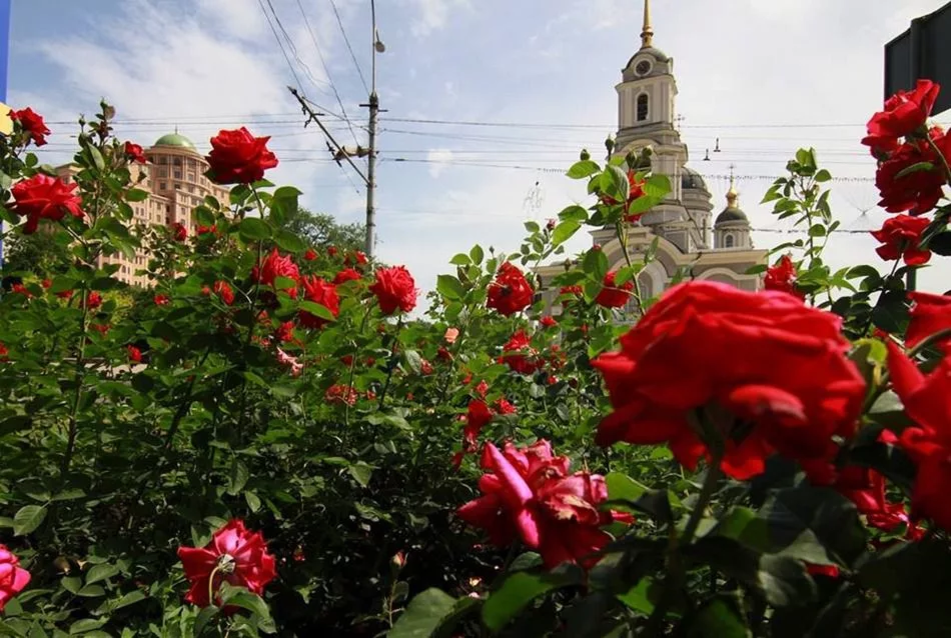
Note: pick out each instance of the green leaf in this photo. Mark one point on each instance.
(623, 488)
(318, 310)
(361, 473)
(130, 599)
(254, 503)
(564, 231)
(253, 228)
(574, 214)
(460, 259)
(430, 613)
(414, 361)
(532, 227)
(28, 518)
(719, 619)
(450, 287)
(238, 477)
(582, 169)
(103, 571)
(204, 617)
(595, 264)
(72, 584)
(86, 624)
(96, 157)
(823, 176)
(476, 254)
(91, 591)
(287, 240)
(914, 168)
(521, 588)
(615, 184)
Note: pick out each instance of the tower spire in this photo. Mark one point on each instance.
(732, 195)
(647, 32)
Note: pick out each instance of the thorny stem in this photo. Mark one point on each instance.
(636, 293)
(254, 322)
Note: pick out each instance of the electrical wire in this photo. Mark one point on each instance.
(280, 44)
(323, 62)
(293, 47)
(349, 48)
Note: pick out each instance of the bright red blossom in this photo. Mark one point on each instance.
(782, 276)
(341, 394)
(237, 157)
(179, 232)
(133, 153)
(224, 291)
(794, 391)
(900, 237)
(205, 230)
(310, 255)
(234, 555)
(321, 292)
(13, 578)
(613, 296)
(135, 355)
(276, 265)
(45, 197)
(916, 191)
(345, 275)
(905, 113)
(510, 292)
(93, 301)
(32, 124)
(528, 495)
(395, 289)
(548, 321)
(161, 300)
(519, 355)
(929, 314)
(478, 416)
(928, 442)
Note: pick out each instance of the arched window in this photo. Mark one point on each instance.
(642, 107)
(728, 241)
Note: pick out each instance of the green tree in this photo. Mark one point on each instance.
(322, 230)
(41, 253)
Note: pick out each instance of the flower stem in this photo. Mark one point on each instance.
(391, 364)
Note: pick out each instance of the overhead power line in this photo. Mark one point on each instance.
(349, 48)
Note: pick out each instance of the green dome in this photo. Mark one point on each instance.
(174, 139)
(731, 215)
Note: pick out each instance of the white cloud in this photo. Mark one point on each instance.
(440, 158)
(434, 14)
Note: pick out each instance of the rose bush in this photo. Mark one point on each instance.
(768, 463)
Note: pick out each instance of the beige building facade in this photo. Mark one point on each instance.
(175, 182)
(691, 242)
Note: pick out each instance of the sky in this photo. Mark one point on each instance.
(525, 85)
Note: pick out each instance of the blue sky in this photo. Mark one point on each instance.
(757, 74)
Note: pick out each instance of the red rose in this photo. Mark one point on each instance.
(510, 292)
(550, 225)
(345, 275)
(44, 197)
(224, 291)
(782, 276)
(341, 394)
(204, 230)
(161, 300)
(928, 442)
(612, 296)
(905, 113)
(310, 255)
(482, 388)
(478, 416)
(13, 578)
(522, 358)
(4, 353)
(275, 265)
(20, 289)
(425, 367)
(179, 232)
(332, 251)
(918, 191)
(285, 332)
(574, 291)
(930, 314)
(32, 124)
(548, 321)
(502, 406)
(358, 258)
(321, 292)
(770, 374)
(528, 495)
(93, 301)
(133, 153)
(235, 556)
(394, 289)
(901, 236)
(135, 355)
(237, 157)
(46, 283)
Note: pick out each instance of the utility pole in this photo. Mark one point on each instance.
(374, 106)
